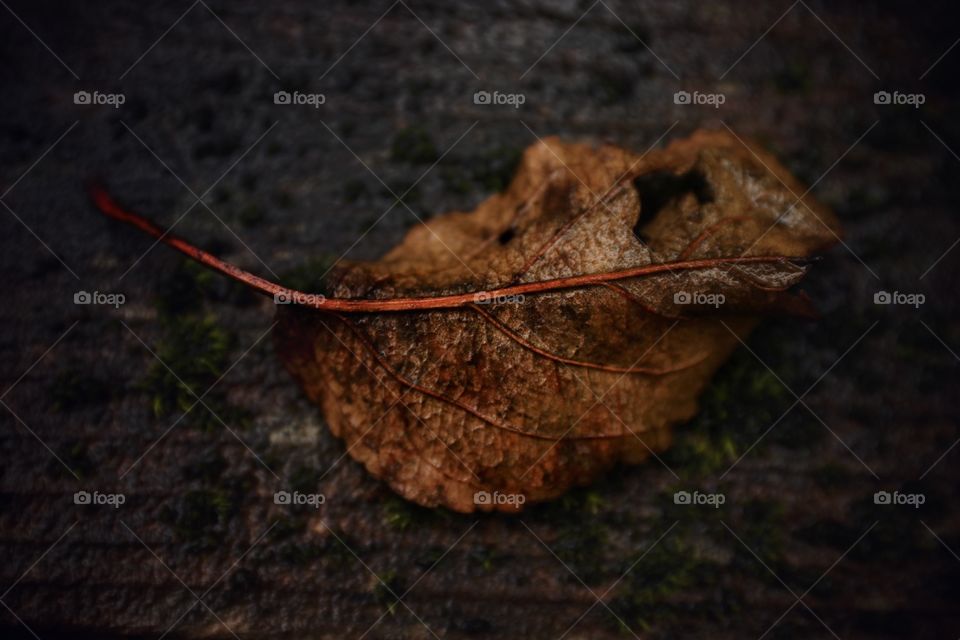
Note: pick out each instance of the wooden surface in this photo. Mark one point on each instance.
(199, 518)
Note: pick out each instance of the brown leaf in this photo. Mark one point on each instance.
(563, 326)
(532, 397)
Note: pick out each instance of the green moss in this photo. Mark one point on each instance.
(193, 349)
(653, 590)
(581, 535)
(741, 403)
(699, 454)
(658, 589)
(194, 354)
(413, 145)
(484, 557)
(399, 514)
(575, 504)
(387, 589)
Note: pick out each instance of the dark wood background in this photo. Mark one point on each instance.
(286, 189)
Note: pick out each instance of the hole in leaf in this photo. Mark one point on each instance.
(506, 236)
(659, 188)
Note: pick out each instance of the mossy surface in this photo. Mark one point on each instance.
(193, 352)
(387, 589)
(651, 592)
(740, 405)
(413, 145)
(400, 514)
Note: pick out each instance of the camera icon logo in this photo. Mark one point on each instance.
(81, 497)
(681, 97)
(882, 297)
(282, 298)
(481, 97)
(82, 297)
(881, 97)
(281, 497)
(282, 97)
(81, 97)
(682, 297)
(882, 497)
(682, 497)
(481, 497)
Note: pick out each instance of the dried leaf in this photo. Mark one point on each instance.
(502, 356)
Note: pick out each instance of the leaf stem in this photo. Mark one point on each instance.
(109, 207)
